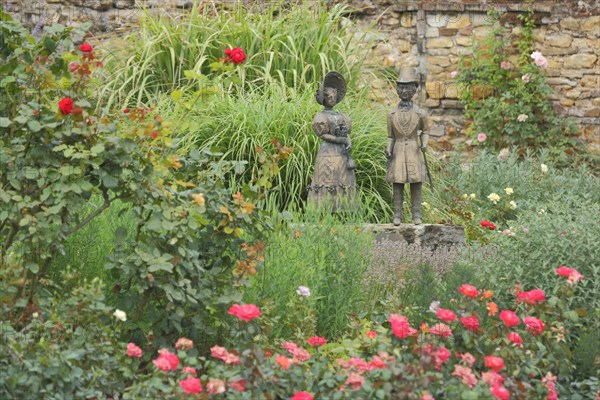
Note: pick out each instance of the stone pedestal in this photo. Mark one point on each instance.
(427, 236)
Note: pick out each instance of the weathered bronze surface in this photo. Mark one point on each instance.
(407, 137)
(334, 179)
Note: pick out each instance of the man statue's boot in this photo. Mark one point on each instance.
(415, 198)
(398, 201)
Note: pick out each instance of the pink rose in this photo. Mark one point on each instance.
(495, 363)
(427, 396)
(532, 297)
(191, 385)
(133, 350)
(471, 323)
(481, 137)
(316, 341)
(441, 330)
(505, 65)
(355, 380)
(189, 370)
(534, 325)
(525, 78)
(453, 74)
(468, 358)
(215, 386)
(166, 361)
(564, 271)
(446, 315)
(500, 392)
(400, 326)
(509, 318)
(246, 312)
(515, 338)
(302, 396)
(492, 378)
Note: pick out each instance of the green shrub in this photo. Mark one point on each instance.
(185, 257)
(69, 350)
(508, 101)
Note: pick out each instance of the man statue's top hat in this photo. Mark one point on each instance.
(407, 75)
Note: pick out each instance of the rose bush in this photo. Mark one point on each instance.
(493, 356)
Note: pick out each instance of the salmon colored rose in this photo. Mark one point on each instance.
(469, 291)
(246, 312)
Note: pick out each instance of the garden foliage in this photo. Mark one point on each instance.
(506, 94)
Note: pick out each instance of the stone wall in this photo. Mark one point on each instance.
(432, 35)
(429, 35)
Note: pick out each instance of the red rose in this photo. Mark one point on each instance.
(66, 105)
(302, 396)
(316, 341)
(469, 291)
(235, 55)
(500, 392)
(534, 325)
(86, 48)
(509, 318)
(487, 224)
(371, 334)
(564, 271)
(515, 338)
(446, 315)
(191, 385)
(246, 312)
(471, 323)
(495, 363)
(532, 297)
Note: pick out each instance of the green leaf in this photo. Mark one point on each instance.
(97, 149)
(34, 125)
(572, 315)
(109, 182)
(4, 122)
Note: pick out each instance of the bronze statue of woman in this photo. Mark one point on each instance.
(334, 178)
(406, 163)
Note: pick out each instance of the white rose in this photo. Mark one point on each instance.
(120, 315)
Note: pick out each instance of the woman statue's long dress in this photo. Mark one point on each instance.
(334, 179)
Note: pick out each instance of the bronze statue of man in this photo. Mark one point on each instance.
(407, 138)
